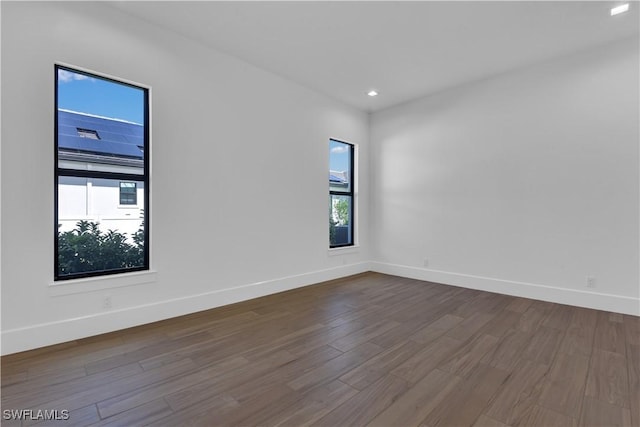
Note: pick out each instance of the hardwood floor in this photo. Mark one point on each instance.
(369, 350)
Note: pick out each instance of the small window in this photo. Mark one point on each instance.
(341, 194)
(128, 193)
(88, 133)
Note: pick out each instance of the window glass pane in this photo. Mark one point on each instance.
(95, 233)
(101, 143)
(100, 124)
(339, 166)
(340, 221)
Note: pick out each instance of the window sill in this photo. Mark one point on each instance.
(90, 284)
(344, 250)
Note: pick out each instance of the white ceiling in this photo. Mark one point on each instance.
(404, 50)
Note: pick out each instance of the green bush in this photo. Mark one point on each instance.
(342, 210)
(87, 249)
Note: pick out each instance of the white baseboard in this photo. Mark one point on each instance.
(36, 336)
(598, 301)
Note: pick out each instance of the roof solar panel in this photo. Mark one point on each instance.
(67, 130)
(112, 137)
(115, 138)
(135, 140)
(125, 128)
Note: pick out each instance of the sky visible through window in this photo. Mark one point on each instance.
(338, 156)
(86, 94)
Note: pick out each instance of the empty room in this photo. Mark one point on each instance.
(320, 213)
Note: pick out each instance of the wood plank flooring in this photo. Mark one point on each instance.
(368, 350)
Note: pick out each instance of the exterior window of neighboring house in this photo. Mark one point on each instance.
(341, 190)
(128, 193)
(101, 163)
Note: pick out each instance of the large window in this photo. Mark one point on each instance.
(341, 189)
(101, 175)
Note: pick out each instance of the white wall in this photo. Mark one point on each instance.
(523, 184)
(239, 176)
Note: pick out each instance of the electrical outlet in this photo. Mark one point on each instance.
(591, 282)
(425, 262)
(106, 303)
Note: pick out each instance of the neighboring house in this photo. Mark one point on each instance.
(338, 179)
(89, 142)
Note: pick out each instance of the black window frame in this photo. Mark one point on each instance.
(119, 176)
(350, 194)
(128, 194)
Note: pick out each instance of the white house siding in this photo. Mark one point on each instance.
(97, 200)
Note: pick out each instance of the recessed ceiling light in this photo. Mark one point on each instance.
(619, 9)
(372, 93)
